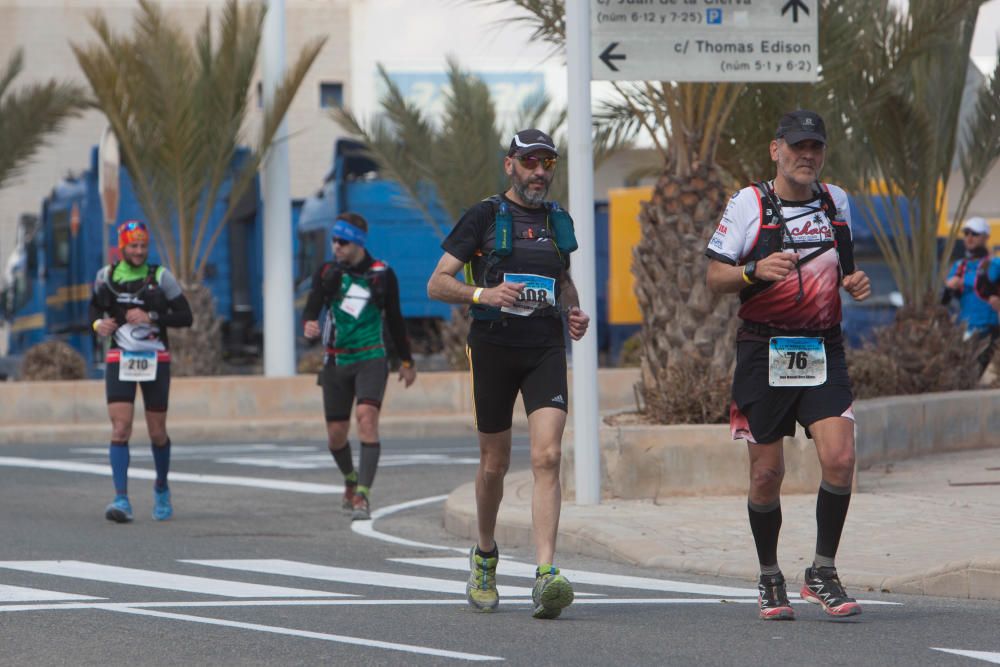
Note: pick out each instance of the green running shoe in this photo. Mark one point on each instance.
(552, 592)
(481, 590)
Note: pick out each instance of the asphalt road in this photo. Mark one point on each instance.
(261, 567)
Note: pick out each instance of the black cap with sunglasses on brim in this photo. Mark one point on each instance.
(531, 141)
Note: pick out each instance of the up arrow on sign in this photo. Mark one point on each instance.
(795, 6)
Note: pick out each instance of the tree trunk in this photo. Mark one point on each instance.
(197, 350)
(684, 324)
(454, 334)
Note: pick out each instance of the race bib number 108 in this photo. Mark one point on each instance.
(539, 292)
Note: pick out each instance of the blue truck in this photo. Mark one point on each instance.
(48, 279)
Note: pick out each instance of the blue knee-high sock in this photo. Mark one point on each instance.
(161, 459)
(119, 456)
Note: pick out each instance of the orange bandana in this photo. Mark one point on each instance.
(132, 231)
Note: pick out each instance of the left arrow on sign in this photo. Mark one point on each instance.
(606, 56)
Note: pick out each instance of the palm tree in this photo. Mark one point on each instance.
(30, 114)
(445, 165)
(712, 138)
(178, 107)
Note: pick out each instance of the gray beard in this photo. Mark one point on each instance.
(530, 197)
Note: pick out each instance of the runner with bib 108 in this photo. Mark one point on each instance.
(134, 302)
(785, 246)
(515, 249)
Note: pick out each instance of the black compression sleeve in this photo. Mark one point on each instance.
(394, 316)
(314, 302)
(178, 313)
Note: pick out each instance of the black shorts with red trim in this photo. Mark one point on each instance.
(499, 372)
(763, 414)
(362, 380)
(155, 393)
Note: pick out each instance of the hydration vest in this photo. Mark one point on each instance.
(117, 297)
(559, 225)
(985, 288)
(774, 236)
(332, 274)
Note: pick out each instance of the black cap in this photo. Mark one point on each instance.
(529, 141)
(800, 125)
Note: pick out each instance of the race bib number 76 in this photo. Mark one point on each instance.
(796, 361)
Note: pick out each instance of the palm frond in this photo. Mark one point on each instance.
(30, 114)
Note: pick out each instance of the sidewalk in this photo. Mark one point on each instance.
(908, 531)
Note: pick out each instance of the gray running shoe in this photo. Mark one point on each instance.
(362, 512)
(481, 589)
(552, 592)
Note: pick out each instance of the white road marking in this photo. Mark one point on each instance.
(986, 656)
(367, 528)
(355, 602)
(516, 569)
(162, 580)
(141, 473)
(351, 576)
(19, 594)
(291, 632)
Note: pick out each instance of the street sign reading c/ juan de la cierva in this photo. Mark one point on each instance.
(704, 40)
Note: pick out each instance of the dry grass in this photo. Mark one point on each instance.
(53, 360)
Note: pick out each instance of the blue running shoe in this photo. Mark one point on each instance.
(119, 511)
(162, 509)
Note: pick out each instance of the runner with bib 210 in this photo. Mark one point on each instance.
(134, 302)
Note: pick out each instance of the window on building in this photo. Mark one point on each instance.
(331, 95)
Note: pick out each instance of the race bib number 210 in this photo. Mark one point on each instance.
(137, 366)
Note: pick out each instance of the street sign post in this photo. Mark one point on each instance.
(108, 165)
(705, 40)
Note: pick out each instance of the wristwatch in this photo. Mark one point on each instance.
(406, 363)
(749, 271)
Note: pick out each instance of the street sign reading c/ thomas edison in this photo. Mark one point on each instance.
(704, 40)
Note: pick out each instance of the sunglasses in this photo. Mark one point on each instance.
(341, 242)
(531, 162)
(132, 226)
(969, 232)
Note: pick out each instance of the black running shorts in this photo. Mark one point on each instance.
(364, 380)
(154, 393)
(764, 414)
(499, 372)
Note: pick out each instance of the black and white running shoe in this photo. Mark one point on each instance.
(822, 586)
(773, 598)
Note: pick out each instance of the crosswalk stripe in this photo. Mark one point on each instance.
(352, 576)
(341, 639)
(516, 569)
(163, 580)
(143, 473)
(19, 594)
(987, 656)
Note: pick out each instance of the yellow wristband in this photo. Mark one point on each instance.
(746, 278)
(94, 325)
(478, 293)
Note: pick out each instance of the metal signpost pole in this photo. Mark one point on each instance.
(586, 412)
(279, 340)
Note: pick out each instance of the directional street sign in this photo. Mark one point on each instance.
(704, 40)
